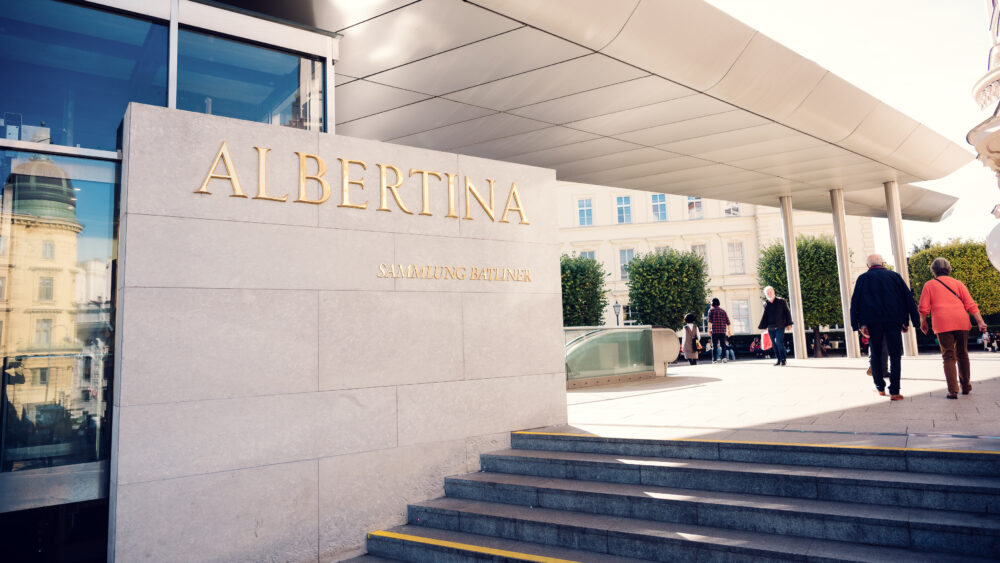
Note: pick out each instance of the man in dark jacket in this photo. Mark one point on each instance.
(882, 308)
(777, 317)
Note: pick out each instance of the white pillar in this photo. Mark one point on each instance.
(844, 270)
(895, 215)
(794, 284)
(329, 87)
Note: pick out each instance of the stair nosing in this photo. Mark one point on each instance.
(837, 510)
(634, 528)
(885, 478)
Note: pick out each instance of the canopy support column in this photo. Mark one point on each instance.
(844, 270)
(895, 216)
(794, 282)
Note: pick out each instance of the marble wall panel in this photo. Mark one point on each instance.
(171, 151)
(512, 334)
(541, 259)
(262, 514)
(275, 397)
(368, 491)
(181, 439)
(179, 252)
(536, 190)
(479, 407)
(403, 158)
(376, 339)
(191, 344)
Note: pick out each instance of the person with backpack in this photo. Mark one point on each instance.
(949, 304)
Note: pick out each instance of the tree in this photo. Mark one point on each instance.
(818, 276)
(582, 291)
(664, 286)
(922, 244)
(969, 263)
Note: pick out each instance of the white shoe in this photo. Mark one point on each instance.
(724, 360)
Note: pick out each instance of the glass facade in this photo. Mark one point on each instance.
(230, 78)
(58, 221)
(70, 71)
(585, 208)
(624, 204)
(659, 207)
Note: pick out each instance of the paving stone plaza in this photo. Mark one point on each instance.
(814, 401)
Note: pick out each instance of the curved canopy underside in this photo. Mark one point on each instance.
(668, 96)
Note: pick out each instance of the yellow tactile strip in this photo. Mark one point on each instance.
(470, 547)
(842, 446)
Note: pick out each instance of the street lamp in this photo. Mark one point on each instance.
(618, 309)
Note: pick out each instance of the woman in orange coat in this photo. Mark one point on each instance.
(949, 304)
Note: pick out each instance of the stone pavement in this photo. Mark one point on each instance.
(814, 401)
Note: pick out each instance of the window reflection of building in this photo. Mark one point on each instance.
(53, 394)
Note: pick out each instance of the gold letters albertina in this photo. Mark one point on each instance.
(312, 168)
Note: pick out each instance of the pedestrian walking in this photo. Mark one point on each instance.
(691, 340)
(882, 307)
(718, 326)
(777, 317)
(949, 304)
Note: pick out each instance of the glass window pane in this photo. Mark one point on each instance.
(741, 316)
(695, 210)
(625, 255)
(234, 79)
(57, 334)
(69, 71)
(736, 263)
(587, 254)
(624, 204)
(659, 207)
(585, 207)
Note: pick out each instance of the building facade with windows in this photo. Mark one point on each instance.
(727, 234)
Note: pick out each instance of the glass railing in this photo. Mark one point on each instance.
(602, 352)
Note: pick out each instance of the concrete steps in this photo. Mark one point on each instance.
(556, 497)
(891, 488)
(943, 531)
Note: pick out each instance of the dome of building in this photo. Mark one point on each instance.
(43, 189)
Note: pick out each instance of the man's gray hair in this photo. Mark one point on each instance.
(768, 288)
(874, 260)
(941, 266)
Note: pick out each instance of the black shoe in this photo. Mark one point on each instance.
(778, 363)
(783, 362)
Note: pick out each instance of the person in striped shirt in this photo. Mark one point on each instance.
(718, 322)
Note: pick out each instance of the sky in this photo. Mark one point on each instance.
(921, 57)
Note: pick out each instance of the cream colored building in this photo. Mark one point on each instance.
(616, 225)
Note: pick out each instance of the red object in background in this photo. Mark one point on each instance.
(765, 341)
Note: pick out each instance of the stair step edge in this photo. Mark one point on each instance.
(844, 511)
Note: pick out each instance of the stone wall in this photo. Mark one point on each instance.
(278, 391)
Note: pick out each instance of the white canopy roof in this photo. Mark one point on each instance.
(668, 96)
